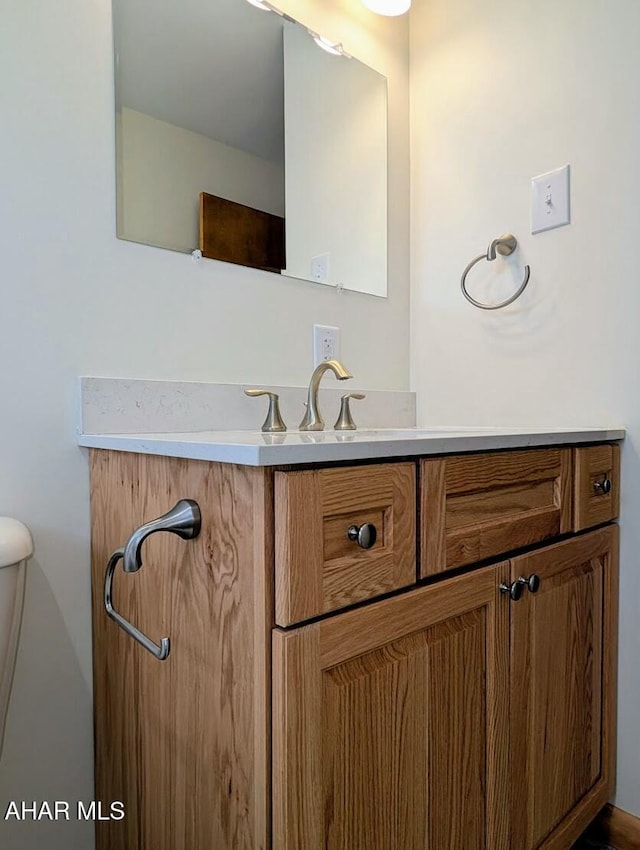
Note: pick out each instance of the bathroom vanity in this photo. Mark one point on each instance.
(393, 644)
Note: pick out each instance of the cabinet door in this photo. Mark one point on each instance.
(563, 666)
(390, 723)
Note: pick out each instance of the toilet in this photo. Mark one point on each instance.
(15, 547)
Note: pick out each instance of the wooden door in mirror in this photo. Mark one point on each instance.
(239, 234)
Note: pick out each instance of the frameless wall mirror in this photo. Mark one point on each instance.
(239, 136)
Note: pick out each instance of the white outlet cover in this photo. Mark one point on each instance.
(550, 200)
(326, 343)
(320, 268)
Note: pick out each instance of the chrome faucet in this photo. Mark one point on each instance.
(313, 421)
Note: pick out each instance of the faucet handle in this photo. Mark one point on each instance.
(345, 420)
(274, 423)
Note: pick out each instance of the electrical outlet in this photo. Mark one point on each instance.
(326, 343)
(320, 268)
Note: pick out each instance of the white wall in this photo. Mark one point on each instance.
(502, 91)
(75, 300)
(163, 169)
(336, 157)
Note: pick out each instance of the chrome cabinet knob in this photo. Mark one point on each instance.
(603, 488)
(517, 588)
(274, 423)
(532, 583)
(364, 535)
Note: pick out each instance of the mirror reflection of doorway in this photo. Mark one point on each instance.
(239, 234)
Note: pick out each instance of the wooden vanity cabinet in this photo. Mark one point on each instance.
(446, 714)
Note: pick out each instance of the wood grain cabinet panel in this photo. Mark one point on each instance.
(389, 723)
(563, 672)
(476, 507)
(597, 485)
(318, 568)
(184, 743)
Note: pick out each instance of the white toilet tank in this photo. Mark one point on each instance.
(15, 547)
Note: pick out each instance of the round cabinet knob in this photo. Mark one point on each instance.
(602, 488)
(514, 590)
(532, 583)
(364, 535)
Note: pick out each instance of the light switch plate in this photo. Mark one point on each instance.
(550, 200)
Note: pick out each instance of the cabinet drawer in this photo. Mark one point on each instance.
(597, 485)
(479, 506)
(318, 567)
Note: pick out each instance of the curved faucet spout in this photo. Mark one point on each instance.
(313, 421)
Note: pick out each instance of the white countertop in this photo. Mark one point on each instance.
(253, 448)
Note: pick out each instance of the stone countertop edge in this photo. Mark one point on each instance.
(256, 449)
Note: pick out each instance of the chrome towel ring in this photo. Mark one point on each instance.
(503, 245)
(185, 520)
(159, 651)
